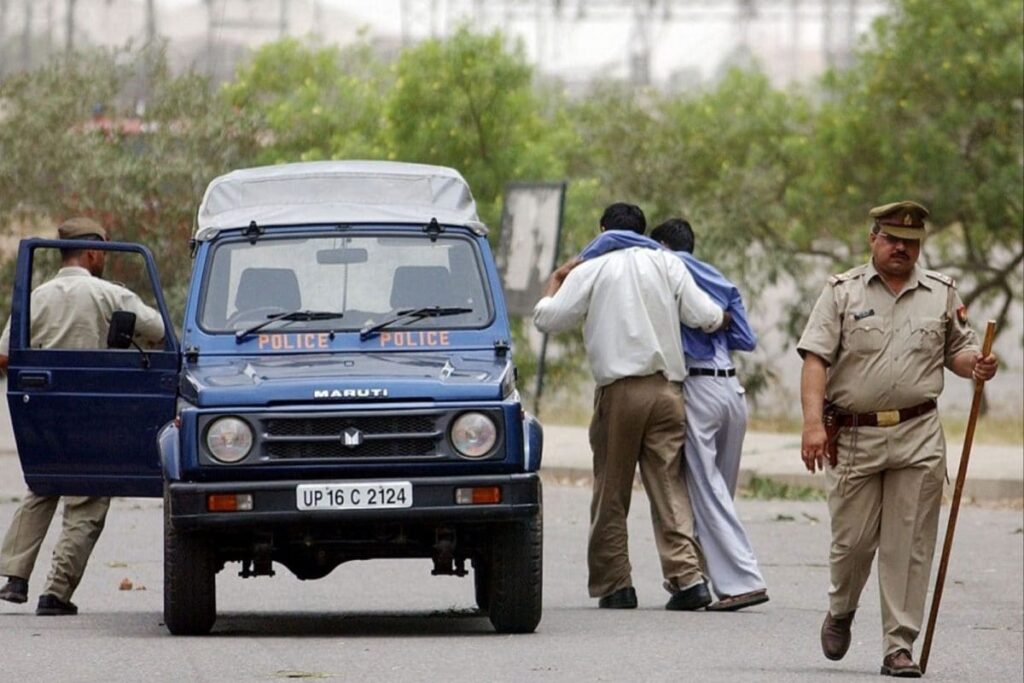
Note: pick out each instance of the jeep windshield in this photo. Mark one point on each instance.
(362, 280)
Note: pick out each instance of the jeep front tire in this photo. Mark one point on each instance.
(190, 588)
(516, 574)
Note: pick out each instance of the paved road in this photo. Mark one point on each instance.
(391, 621)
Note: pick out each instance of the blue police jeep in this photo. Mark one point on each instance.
(343, 390)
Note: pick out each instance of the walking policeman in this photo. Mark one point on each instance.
(874, 350)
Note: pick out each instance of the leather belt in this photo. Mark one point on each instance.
(712, 372)
(885, 418)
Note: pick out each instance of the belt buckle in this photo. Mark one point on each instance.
(888, 418)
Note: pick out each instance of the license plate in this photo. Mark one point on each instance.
(361, 496)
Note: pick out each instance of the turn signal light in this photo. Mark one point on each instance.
(229, 502)
(478, 495)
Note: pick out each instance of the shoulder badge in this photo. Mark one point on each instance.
(961, 314)
(944, 279)
(848, 275)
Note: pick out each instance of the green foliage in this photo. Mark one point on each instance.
(73, 143)
(468, 103)
(766, 488)
(934, 110)
(313, 103)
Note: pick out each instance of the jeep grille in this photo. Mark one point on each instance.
(354, 438)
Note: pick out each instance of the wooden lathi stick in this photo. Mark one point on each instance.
(940, 580)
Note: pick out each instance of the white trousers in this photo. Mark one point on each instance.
(716, 421)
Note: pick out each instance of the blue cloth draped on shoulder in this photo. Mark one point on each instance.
(698, 344)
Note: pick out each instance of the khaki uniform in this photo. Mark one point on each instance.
(886, 352)
(71, 311)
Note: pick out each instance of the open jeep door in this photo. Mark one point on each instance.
(86, 421)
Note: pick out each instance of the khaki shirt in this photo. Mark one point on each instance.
(886, 351)
(73, 311)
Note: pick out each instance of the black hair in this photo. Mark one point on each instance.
(623, 216)
(66, 254)
(676, 233)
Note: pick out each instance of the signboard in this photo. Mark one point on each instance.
(531, 226)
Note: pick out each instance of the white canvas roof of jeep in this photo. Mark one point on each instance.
(336, 192)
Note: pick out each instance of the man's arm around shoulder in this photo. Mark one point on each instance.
(564, 304)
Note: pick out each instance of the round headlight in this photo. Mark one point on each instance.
(474, 434)
(229, 439)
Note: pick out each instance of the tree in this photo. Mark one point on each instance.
(781, 182)
(314, 103)
(114, 135)
(934, 110)
(469, 103)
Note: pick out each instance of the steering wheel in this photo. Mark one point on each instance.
(258, 314)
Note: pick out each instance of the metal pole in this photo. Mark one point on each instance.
(954, 510)
(150, 21)
(69, 27)
(26, 38)
(539, 388)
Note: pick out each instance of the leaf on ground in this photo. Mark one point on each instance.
(301, 674)
(116, 563)
(140, 587)
(784, 518)
(810, 518)
(126, 584)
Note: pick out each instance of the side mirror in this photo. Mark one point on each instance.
(122, 330)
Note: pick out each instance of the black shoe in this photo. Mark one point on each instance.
(52, 606)
(16, 590)
(624, 598)
(694, 597)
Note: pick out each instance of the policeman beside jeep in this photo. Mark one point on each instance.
(70, 311)
(874, 350)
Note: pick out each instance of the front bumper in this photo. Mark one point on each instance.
(274, 503)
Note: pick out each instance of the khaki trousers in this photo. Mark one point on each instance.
(83, 521)
(639, 420)
(885, 494)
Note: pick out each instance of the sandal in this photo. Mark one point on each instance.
(731, 603)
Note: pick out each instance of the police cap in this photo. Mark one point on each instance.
(901, 219)
(79, 228)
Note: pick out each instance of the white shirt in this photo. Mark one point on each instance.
(631, 302)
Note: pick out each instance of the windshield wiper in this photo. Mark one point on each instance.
(412, 314)
(289, 316)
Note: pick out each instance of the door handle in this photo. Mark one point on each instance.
(33, 380)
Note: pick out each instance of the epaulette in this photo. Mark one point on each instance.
(944, 279)
(848, 275)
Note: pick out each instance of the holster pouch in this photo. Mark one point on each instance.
(831, 433)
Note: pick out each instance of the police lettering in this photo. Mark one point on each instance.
(411, 340)
(294, 342)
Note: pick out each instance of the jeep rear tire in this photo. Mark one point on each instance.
(516, 575)
(190, 587)
(482, 582)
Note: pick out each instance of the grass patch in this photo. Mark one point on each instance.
(777, 424)
(993, 430)
(765, 488)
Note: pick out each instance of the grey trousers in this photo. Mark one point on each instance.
(83, 521)
(716, 416)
